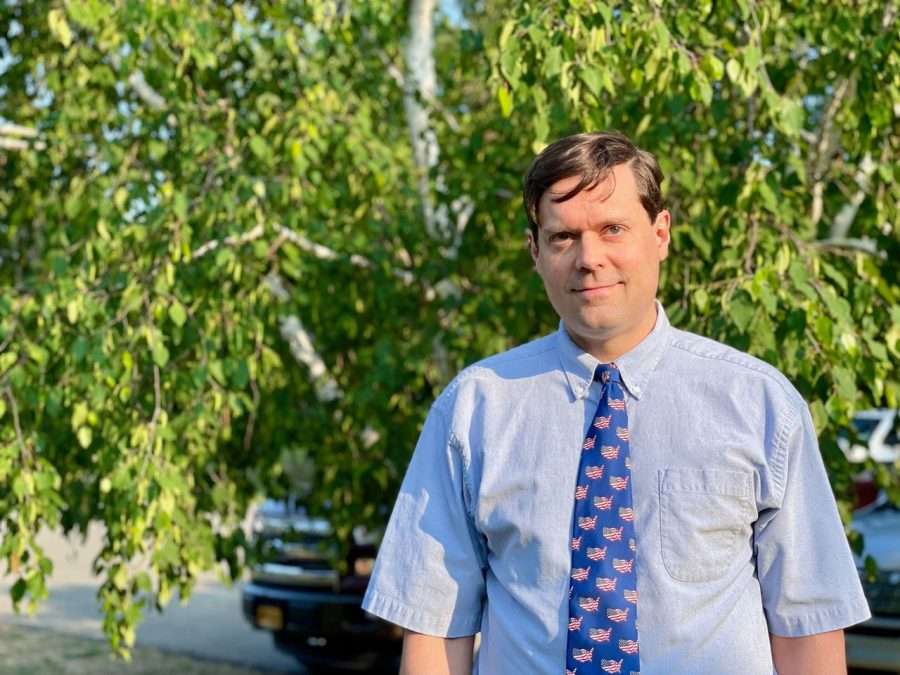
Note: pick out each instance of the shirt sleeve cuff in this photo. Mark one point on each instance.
(822, 621)
(419, 620)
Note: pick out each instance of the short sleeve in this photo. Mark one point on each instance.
(429, 574)
(806, 570)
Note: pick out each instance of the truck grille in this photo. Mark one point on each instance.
(884, 593)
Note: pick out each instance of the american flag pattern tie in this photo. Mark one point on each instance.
(602, 632)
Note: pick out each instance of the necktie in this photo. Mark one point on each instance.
(602, 635)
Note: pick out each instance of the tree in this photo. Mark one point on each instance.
(250, 235)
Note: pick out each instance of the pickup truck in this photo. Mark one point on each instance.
(313, 611)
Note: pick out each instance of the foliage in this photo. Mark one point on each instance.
(210, 176)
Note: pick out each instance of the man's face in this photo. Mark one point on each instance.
(599, 255)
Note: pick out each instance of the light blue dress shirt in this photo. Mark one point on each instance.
(737, 530)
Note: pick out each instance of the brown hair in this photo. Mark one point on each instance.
(591, 156)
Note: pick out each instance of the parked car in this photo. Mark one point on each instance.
(877, 437)
(875, 644)
(312, 610)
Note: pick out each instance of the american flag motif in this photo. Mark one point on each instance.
(603, 543)
(583, 655)
(609, 451)
(580, 573)
(612, 533)
(606, 583)
(618, 482)
(596, 553)
(589, 604)
(610, 666)
(628, 646)
(594, 472)
(599, 634)
(587, 522)
(603, 503)
(617, 615)
(622, 566)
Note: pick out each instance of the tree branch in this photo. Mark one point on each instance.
(841, 224)
(422, 82)
(12, 137)
(233, 240)
(825, 146)
(320, 251)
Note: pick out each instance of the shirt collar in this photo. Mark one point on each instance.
(635, 366)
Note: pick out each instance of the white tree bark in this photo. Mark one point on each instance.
(12, 136)
(421, 83)
(420, 86)
(301, 345)
(840, 226)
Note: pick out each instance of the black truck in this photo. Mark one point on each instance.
(312, 610)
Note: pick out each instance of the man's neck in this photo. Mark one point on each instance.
(610, 348)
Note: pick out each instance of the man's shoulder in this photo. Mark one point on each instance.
(499, 371)
(721, 361)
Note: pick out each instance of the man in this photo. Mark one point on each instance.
(619, 496)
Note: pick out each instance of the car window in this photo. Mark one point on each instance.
(864, 427)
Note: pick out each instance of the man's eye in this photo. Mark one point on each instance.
(560, 236)
(614, 229)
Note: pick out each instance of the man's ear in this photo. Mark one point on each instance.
(662, 229)
(532, 244)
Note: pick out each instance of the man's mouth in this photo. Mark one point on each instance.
(596, 288)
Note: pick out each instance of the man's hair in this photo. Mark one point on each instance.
(591, 156)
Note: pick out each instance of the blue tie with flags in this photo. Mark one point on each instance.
(602, 634)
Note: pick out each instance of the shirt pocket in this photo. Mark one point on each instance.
(705, 518)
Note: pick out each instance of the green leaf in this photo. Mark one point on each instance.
(160, 355)
(505, 99)
(741, 311)
(259, 147)
(591, 78)
(846, 383)
(177, 313)
(56, 19)
(792, 117)
(7, 359)
(712, 66)
(72, 312)
(17, 591)
(85, 436)
(733, 68)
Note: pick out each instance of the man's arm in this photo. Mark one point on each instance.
(822, 654)
(435, 655)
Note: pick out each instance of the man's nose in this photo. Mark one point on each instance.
(591, 251)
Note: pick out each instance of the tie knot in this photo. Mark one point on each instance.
(608, 372)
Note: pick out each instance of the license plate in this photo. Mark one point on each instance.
(270, 617)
